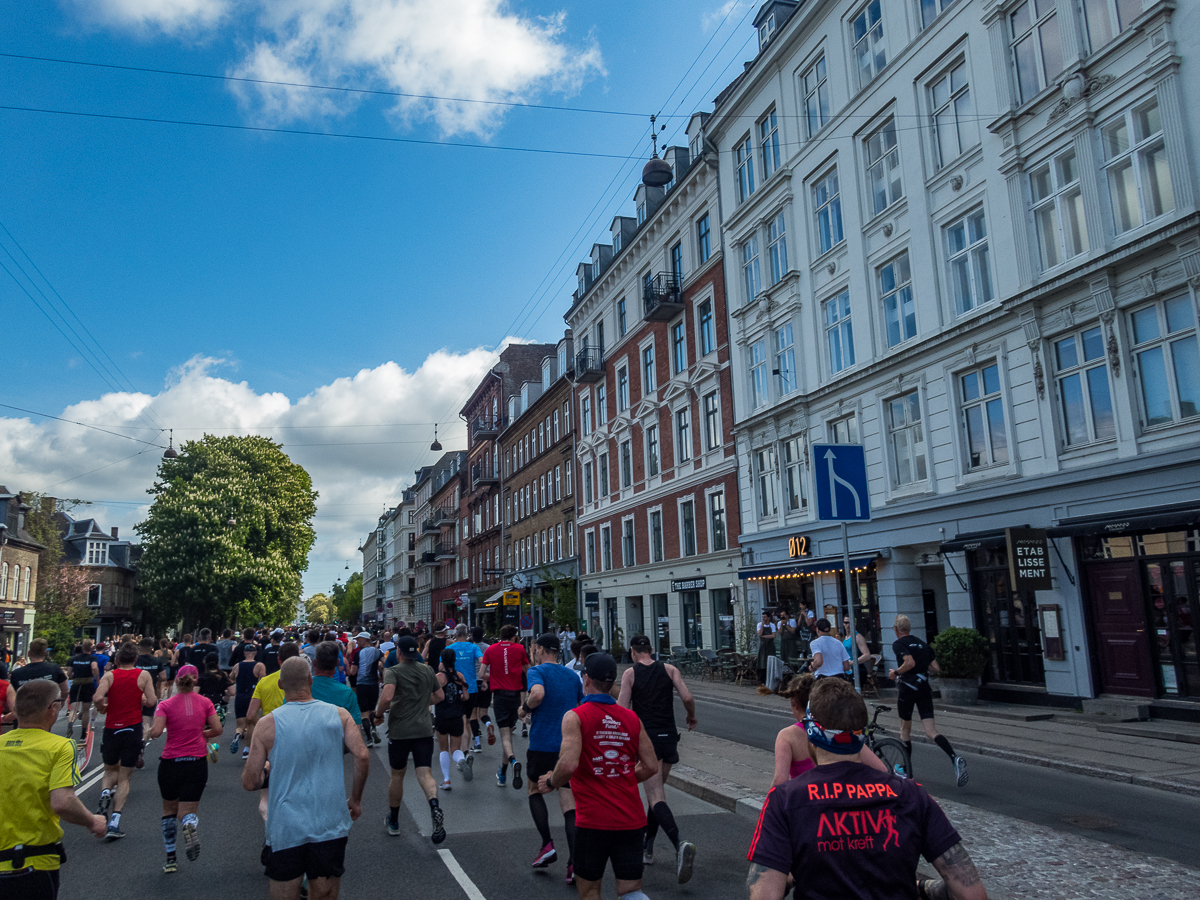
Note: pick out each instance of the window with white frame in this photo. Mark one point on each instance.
(97, 553)
(652, 450)
(970, 267)
(557, 433)
(589, 544)
(683, 435)
(895, 291)
(954, 129)
(708, 339)
(622, 389)
(768, 142)
(687, 527)
(622, 320)
(785, 359)
(750, 273)
(679, 361)
(567, 486)
(827, 201)
(601, 404)
(931, 9)
(1084, 396)
(677, 263)
(764, 473)
(839, 335)
(558, 542)
(649, 376)
(795, 494)
(712, 421)
(743, 158)
(883, 167)
(906, 434)
(3, 581)
(870, 55)
(716, 522)
(703, 239)
(605, 548)
(758, 374)
(766, 30)
(814, 85)
(1037, 55)
(843, 430)
(626, 464)
(588, 480)
(1139, 179)
(656, 536)
(566, 411)
(777, 248)
(602, 473)
(94, 595)
(1058, 210)
(557, 483)
(1105, 19)
(1168, 361)
(983, 417)
(627, 552)
(585, 415)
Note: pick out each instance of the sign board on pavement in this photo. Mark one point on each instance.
(840, 473)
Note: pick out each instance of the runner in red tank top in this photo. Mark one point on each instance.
(605, 755)
(121, 695)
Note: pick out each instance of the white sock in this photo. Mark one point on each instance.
(459, 756)
(444, 758)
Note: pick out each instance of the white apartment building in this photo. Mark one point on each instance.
(964, 233)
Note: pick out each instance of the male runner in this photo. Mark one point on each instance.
(85, 672)
(844, 829)
(912, 684)
(246, 675)
(270, 653)
(553, 691)
(202, 648)
(503, 665)
(121, 696)
(326, 687)
(366, 683)
(482, 699)
(648, 687)
(311, 638)
(183, 653)
(225, 650)
(409, 687)
(39, 669)
(238, 652)
(616, 754)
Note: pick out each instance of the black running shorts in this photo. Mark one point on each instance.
(241, 705)
(481, 699)
(666, 746)
(920, 696)
(367, 694)
(421, 749)
(30, 884)
(182, 779)
(452, 726)
(82, 691)
(594, 849)
(506, 703)
(324, 859)
(539, 763)
(121, 745)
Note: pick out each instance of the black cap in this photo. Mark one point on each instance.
(549, 640)
(600, 667)
(640, 640)
(407, 647)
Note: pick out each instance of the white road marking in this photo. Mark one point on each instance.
(463, 879)
(89, 781)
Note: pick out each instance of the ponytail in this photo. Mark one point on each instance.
(185, 682)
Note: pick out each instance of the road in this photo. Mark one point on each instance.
(1151, 821)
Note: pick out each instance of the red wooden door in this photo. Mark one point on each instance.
(1119, 614)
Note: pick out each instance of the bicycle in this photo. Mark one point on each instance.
(891, 751)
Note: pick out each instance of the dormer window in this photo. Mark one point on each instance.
(766, 30)
(562, 359)
(641, 213)
(97, 553)
(595, 270)
(616, 243)
(582, 286)
(546, 374)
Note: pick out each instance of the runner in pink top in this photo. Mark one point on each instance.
(793, 756)
(190, 721)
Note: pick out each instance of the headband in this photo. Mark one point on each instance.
(843, 743)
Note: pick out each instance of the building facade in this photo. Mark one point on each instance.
(655, 472)
(110, 565)
(18, 574)
(967, 238)
(441, 549)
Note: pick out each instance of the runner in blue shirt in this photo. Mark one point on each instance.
(467, 656)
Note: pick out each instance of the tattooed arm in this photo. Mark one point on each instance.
(959, 881)
(764, 883)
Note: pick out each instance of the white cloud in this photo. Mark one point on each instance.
(726, 9)
(170, 16)
(356, 470)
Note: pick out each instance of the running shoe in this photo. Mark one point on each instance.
(647, 857)
(170, 867)
(191, 840)
(517, 776)
(570, 873)
(464, 767)
(960, 771)
(445, 785)
(684, 858)
(214, 752)
(491, 734)
(237, 739)
(439, 830)
(105, 803)
(245, 753)
(393, 830)
(114, 833)
(500, 778)
(141, 760)
(547, 855)
(524, 731)
(476, 746)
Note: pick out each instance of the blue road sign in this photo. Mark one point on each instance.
(840, 472)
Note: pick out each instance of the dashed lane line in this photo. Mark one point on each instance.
(463, 879)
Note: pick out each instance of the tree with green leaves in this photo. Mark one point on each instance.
(319, 609)
(60, 603)
(348, 600)
(561, 603)
(228, 534)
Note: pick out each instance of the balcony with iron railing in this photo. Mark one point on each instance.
(429, 559)
(437, 518)
(445, 550)
(483, 475)
(589, 365)
(662, 298)
(485, 427)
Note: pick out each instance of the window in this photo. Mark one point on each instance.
(766, 30)
(557, 483)
(566, 416)
(983, 417)
(585, 415)
(758, 374)
(678, 348)
(600, 339)
(764, 471)
(93, 598)
(708, 341)
(839, 336)
(3, 581)
(652, 450)
(768, 141)
(793, 460)
(1036, 49)
(716, 518)
(1139, 179)
(1108, 18)
(687, 527)
(743, 157)
(750, 274)
(1168, 364)
(556, 432)
(907, 439)
(843, 430)
(622, 323)
(827, 200)
(1058, 210)
(649, 381)
(869, 52)
(656, 536)
(931, 9)
(606, 548)
(567, 478)
(883, 167)
(785, 359)
(627, 558)
(626, 464)
(601, 404)
(970, 270)
(562, 360)
(542, 487)
(953, 128)
(895, 289)
(602, 472)
(97, 554)
(641, 213)
(703, 239)
(558, 542)
(589, 543)
(815, 87)
(683, 436)
(777, 248)
(712, 422)
(1083, 391)
(622, 389)
(677, 263)
(588, 493)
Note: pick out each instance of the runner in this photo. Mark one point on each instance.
(829, 657)
(225, 650)
(85, 672)
(617, 755)
(270, 653)
(448, 719)
(912, 682)
(648, 688)
(409, 687)
(365, 668)
(482, 699)
(246, 677)
(214, 685)
(842, 829)
(39, 669)
(504, 666)
(326, 687)
(238, 652)
(37, 769)
(202, 648)
(153, 666)
(793, 752)
(553, 691)
(310, 815)
(311, 638)
(121, 696)
(189, 720)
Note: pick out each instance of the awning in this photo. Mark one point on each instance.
(978, 540)
(493, 600)
(1134, 520)
(816, 567)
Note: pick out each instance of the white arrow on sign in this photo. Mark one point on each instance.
(834, 481)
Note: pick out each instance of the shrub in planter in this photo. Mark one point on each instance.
(961, 652)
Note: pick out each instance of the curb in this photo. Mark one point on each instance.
(730, 797)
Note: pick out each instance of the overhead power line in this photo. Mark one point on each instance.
(81, 424)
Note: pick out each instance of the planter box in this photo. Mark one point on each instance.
(959, 691)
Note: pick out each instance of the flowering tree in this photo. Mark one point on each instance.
(60, 603)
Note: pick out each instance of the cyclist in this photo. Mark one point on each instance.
(793, 752)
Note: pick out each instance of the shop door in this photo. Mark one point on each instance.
(1007, 619)
(692, 622)
(1171, 590)
(723, 619)
(662, 622)
(1120, 624)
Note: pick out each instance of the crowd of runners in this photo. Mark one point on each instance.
(305, 700)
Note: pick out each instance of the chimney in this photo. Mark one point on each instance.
(114, 533)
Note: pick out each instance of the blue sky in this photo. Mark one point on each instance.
(251, 281)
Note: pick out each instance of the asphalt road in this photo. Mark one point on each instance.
(1150, 821)
(491, 841)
